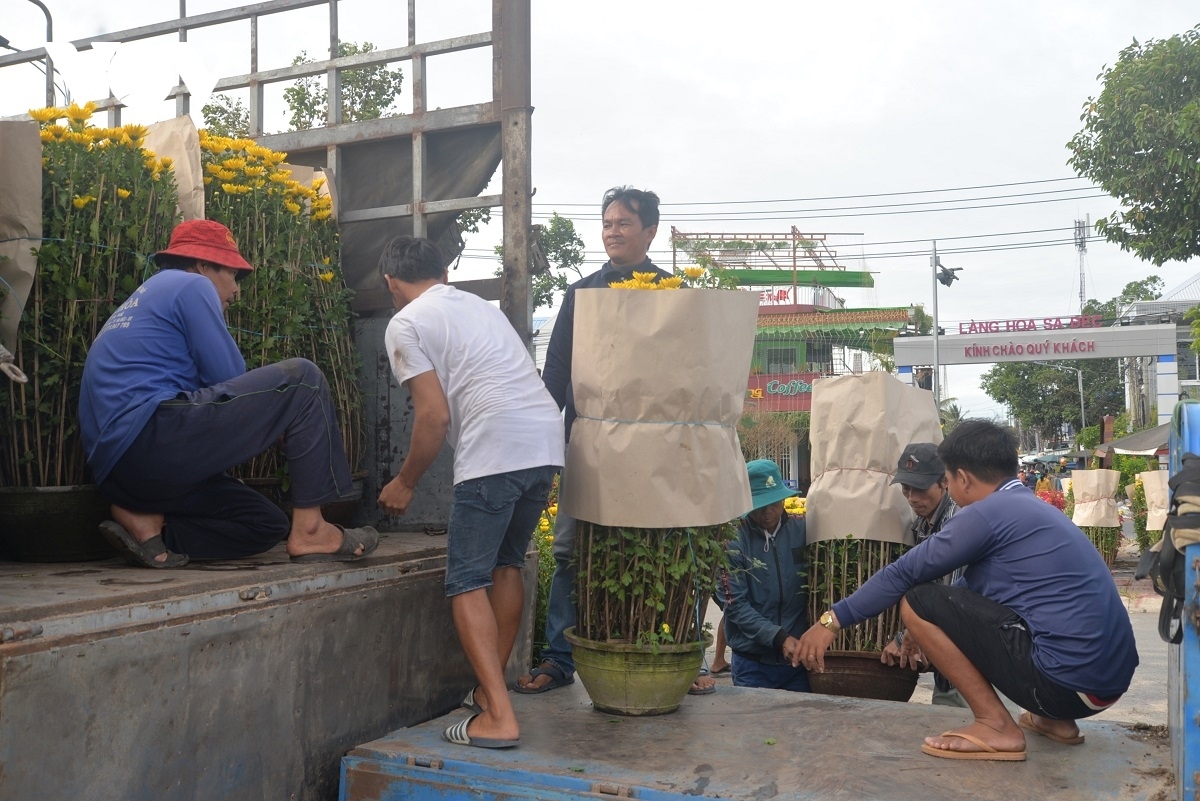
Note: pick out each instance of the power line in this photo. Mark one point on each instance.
(837, 197)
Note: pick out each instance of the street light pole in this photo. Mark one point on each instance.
(49, 63)
(937, 382)
(1079, 379)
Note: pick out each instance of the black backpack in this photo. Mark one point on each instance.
(1165, 567)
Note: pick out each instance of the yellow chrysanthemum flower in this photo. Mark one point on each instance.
(645, 278)
(213, 169)
(123, 193)
(277, 157)
(166, 162)
(666, 629)
(234, 164)
(327, 277)
(292, 206)
(208, 180)
(48, 114)
(136, 131)
(318, 183)
(553, 510)
(280, 176)
(79, 201)
(226, 175)
(78, 113)
(325, 261)
(323, 214)
(259, 152)
(254, 171)
(235, 189)
(674, 282)
(693, 272)
(47, 135)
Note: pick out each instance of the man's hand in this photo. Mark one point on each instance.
(907, 654)
(811, 649)
(791, 650)
(395, 497)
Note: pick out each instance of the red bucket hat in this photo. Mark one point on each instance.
(206, 240)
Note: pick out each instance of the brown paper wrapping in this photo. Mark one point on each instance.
(20, 220)
(1095, 497)
(178, 139)
(659, 378)
(860, 425)
(1158, 497)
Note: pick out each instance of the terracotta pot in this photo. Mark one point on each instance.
(628, 679)
(54, 524)
(860, 674)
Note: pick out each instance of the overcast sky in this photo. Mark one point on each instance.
(813, 109)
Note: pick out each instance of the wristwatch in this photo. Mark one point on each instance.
(828, 621)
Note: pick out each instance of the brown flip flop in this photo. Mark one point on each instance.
(985, 751)
(1026, 723)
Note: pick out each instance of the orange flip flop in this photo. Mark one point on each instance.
(1026, 723)
(985, 751)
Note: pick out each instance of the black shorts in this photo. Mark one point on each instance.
(995, 640)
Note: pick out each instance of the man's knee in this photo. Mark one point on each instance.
(916, 602)
(303, 372)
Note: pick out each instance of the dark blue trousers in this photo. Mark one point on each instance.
(177, 465)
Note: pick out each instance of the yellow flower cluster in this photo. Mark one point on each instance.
(648, 281)
(78, 132)
(545, 527)
(241, 166)
(795, 506)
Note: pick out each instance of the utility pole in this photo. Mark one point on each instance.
(937, 381)
(1081, 235)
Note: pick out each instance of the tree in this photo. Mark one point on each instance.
(226, 116)
(558, 251)
(367, 93)
(1139, 143)
(951, 414)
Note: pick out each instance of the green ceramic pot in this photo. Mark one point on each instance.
(627, 679)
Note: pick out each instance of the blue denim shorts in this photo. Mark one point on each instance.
(491, 522)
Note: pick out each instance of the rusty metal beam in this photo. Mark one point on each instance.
(363, 130)
(516, 296)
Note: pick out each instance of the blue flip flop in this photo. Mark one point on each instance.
(457, 734)
(557, 679)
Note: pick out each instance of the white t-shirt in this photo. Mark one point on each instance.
(501, 416)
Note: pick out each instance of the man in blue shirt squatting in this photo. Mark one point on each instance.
(630, 223)
(1036, 612)
(473, 385)
(167, 407)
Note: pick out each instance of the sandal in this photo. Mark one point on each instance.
(140, 553)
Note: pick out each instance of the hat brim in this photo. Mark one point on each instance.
(772, 496)
(218, 256)
(921, 481)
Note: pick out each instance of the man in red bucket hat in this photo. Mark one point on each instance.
(167, 408)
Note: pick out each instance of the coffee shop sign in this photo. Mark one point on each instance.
(1030, 324)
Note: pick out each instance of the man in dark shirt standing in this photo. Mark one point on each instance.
(630, 223)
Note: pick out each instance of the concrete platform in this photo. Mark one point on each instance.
(750, 744)
(246, 679)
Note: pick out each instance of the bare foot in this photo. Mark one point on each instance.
(322, 538)
(142, 525)
(1008, 739)
(530, 682)
(703, 685)
(719, 666)
(485, 725)
(1062, 731)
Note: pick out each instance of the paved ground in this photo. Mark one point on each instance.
(1146, 701)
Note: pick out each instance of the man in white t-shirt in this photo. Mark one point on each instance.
(473, 384)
